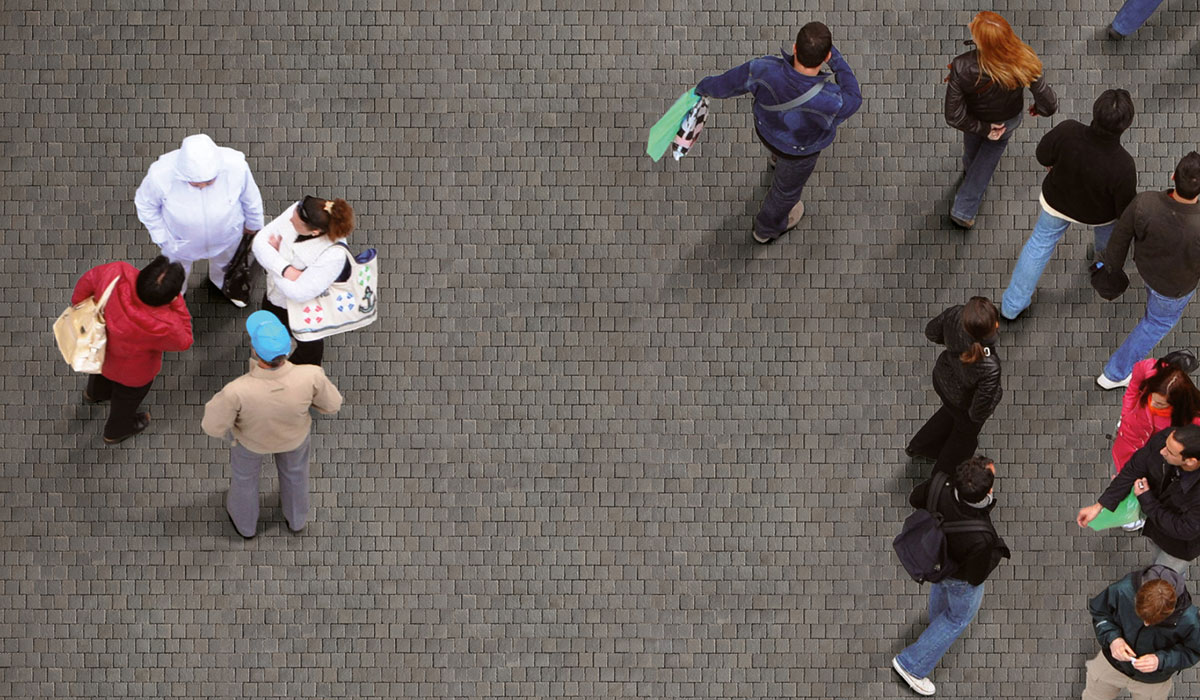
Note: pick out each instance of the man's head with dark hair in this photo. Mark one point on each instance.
(1183, 447)
(813, 44)
(973, 479)
(1155, 601)
(1113, 111)
(1187, 176)
(160, 282)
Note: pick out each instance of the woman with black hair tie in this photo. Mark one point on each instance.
(966, 378)
(300, 254)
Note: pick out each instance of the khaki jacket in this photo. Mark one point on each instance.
(267, 409)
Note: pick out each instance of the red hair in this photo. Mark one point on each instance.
(1002, 55)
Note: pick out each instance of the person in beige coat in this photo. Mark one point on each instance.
(266, 410)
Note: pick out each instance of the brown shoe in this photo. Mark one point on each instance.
(140, 423)
(795, 215)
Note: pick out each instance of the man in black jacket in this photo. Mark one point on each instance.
(1148, 631)
(953, 601)
(1091, 180)
(1165, 477)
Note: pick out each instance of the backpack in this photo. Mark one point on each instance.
(921, 544)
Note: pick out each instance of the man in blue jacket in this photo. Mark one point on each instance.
(796, 113)
(1148, 631)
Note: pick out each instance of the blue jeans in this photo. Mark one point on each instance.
(980, 158)
(1162, 313)
(1034, 256)
(952, 605)
(791, 174)
(1134, 14)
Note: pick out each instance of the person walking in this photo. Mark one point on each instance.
(266, 410)
(984, 100)
(197, 202)
(1163, 475)
(1090, 181)
(1148, 631)
(1132, 15)
(299, 251)
(954, 601)
(145, 316)
(1164, 230)
(797, 110)
(966, 378)
(1160, 395)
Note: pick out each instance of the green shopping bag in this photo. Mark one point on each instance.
(664, 130)
(1128, 511)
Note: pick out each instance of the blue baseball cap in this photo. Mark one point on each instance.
(268, 336)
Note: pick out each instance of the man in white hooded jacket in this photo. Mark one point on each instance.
(197, 202)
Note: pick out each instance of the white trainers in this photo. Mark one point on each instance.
(922, 686)
(1135, 525)
(1107, 384)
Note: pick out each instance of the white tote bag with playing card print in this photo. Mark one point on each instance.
(345, 306)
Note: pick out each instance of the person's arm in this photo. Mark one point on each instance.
(935, 329)
(1124, 191)
(266, 254)
(315, 279)
(1045, 102)
(326, 397)
(1047, 148)
(85, 287)
(149, 204)
(1122, 484)
(851, 92)
(919, 495)
(1132, 433)
(956, 108)
(180, 337)
(988, 393)
(252, 205)
(1104, 616)
(1186, 653)
(1181, 526)
(1122, 237)
(220, 413)
(731, 83)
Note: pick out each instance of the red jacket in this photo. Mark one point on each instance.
(1137, 422)
(138, 334)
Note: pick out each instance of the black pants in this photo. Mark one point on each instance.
(949, 438)
(122, 414)
(306, 352)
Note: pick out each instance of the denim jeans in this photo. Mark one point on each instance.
(1134, 14)
(791, 174)
(1047, 232)
(952, 605)
(1161, 557)
(1162, 313)
(980, 158)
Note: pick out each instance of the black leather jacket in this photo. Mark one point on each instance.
(974, 388)
(974, 101)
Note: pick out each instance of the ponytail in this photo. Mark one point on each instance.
(332, 217)
(979, 318)
(341, 220)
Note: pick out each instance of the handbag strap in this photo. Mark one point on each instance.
(796, 102)
(107, 293)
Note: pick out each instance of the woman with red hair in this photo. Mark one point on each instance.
(985, 99)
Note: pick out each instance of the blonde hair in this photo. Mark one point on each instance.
(1002, 55)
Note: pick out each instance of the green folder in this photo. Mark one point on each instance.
(664, 130)
(1128, 511)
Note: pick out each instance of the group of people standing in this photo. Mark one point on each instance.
(200, 203)
(1145, 623)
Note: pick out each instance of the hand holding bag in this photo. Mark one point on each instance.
(81, 334)
(345, 306)
(239, 273)
(1128, 511)
(1108, 281)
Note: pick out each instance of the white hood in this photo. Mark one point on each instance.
(199, 160)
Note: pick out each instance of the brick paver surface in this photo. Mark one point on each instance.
(599, 444)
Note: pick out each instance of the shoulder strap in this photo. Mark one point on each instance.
(107, 293)
(794, 103)
(936, 484)
(959, 527)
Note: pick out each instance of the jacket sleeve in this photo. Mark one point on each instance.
(1125, 190)
(851, 92)
(1122, 483)
(988, 393)
(220, 413)
(1181, 526)
(149, 203)
(85, 287)
(1047, 148)
(1132, 433)
(919, 494)
(731, 83)
(180, 337)
(956, 107)
(326, 398)
(271, 260)
(935, 329)
(252, 204)
(1186, 653)
(1044, 99)
(1122, 236)
(316, 278)
(1104, 615)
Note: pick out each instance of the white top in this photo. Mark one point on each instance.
(189, 223)
(319, 260)
(1054, 212)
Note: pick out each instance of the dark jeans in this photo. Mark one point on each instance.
(980, 158)
(122, 414)
(949, 438)
(306, 352)
(791, 174)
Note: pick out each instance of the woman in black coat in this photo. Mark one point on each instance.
(966, 378)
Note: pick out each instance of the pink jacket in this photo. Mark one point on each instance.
(1137, 422)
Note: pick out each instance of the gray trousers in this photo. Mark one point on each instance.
(242, 502)
(1161, 557)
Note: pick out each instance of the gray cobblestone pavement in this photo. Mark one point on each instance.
(600, 444)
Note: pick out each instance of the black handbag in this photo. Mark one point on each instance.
(1108, 281)
(239, 273)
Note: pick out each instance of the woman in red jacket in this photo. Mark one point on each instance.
(145, 316)
(1160, 395)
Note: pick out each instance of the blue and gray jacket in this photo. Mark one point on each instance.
(796, 114)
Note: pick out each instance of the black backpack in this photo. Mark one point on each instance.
(921, 544)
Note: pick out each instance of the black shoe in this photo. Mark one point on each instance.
(87, 399)
(965, 224)
(141, 422)
(913, 454)
(1114, 34)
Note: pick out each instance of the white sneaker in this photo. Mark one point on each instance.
(1107, 384)
(922, 686)
(1135, 525)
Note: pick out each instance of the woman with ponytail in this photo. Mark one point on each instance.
(1160, 395)
(984, 100)
(300, 254)
(966, 378)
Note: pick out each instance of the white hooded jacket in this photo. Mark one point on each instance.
(189, 223)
